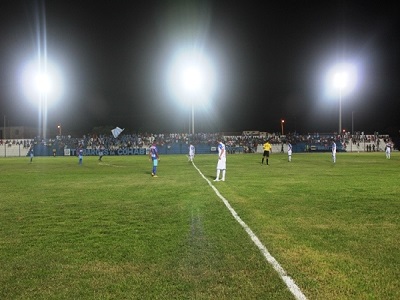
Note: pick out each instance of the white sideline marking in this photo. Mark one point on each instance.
(294, 289)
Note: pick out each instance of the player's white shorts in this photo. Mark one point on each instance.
(221, 164)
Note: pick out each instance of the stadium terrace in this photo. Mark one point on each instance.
(177, 143)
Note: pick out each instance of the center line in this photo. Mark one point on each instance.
(294, 289)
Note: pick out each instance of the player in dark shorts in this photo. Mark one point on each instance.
(267, 149)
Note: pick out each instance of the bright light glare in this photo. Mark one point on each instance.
(42, 83)
(36, 81)
(342, 77)
(340, 80)
(190, 77)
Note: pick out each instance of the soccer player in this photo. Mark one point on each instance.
(79, 152)
(388, 149)
(192, 151)
(333, 151)
(153, 156)
(31, 153)
(267, 149)
(289, 151)
(101, 151)
(221, 165)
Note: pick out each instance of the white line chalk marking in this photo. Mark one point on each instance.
(110, 165)
(294, 289)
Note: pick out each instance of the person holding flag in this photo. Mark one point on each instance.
(153, 156)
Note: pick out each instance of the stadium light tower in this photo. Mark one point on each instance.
(282, 122)
(192, 80)
(43, 87)
(343, 77)
(191, 76)
(41, 81)
(340, 82)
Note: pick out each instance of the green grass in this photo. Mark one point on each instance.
(111, 231)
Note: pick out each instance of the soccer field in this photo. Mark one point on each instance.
(108, 230)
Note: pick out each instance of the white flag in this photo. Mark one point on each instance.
(117, 131)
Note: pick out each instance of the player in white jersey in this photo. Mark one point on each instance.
(289, 151)
(388, 149)
(31, 153)
(221, 165)
(333, 151)
(192, 151)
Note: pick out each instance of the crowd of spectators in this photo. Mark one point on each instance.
(143, 140)
(24, 143)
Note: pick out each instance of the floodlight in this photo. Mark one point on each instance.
(41, 83)
(191, 77)
(343, 78)
(340, 79)
(36, 79)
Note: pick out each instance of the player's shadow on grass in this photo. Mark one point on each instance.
(210, 177)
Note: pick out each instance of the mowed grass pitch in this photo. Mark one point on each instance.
(111, 231)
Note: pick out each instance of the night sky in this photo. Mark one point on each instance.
(271, 62)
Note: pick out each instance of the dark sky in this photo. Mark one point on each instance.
(271, 62)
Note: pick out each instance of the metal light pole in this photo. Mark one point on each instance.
(191, 77)
(42, 85)
(192, 117)
(340, 81)
(352, 123)
(340, 110)
(344, 78)
(282, 121)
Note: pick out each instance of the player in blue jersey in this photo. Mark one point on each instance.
(221, 165)
(289, 151)
(79, 153)
(333, 151)
(153, 156)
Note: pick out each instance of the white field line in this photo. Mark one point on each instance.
(110, 165)
(294, 289)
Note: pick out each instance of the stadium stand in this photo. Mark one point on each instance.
(14, 148)
(178, 143)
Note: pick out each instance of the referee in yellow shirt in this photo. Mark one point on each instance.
(267, 149)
